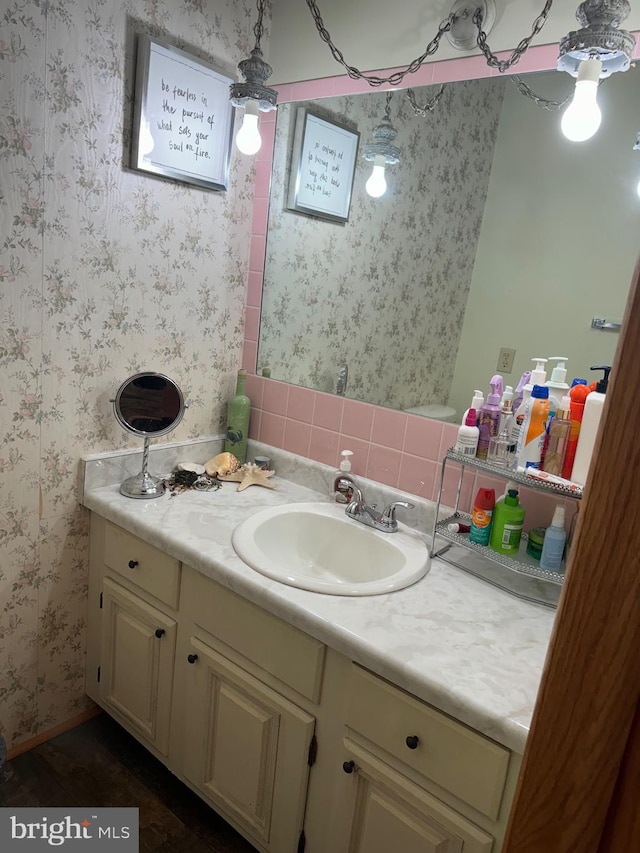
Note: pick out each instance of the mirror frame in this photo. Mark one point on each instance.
(147, 433)
(539, 58)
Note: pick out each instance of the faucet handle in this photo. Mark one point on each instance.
(388, 517)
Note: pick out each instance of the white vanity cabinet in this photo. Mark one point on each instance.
(132, 620)
(404, 761)
(292, 743)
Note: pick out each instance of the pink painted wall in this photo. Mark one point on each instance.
(390, 447)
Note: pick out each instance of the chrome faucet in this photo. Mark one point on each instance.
(358, 510)
(343, 375)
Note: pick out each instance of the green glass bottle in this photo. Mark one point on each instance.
(238, 412)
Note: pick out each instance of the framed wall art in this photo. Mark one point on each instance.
(323, 160)
(183, 119)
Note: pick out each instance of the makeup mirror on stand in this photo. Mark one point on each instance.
(148, 405)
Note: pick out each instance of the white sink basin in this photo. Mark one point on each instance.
(315, 546)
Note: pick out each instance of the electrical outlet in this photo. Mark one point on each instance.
(505, 360)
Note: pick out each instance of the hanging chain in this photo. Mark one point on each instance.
(258, 29)
(540, 102)
(428, 106)
(504, 64)
(393, 79)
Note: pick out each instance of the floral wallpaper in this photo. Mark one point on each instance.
(103, 272)
(386, 292)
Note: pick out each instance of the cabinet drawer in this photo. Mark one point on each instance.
(458, 759)
(142, 564)
(274, 646)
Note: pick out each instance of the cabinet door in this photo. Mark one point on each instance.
(382, 810)
(246, 749)
(136, 668)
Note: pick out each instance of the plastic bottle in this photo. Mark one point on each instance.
(501, 447)
(508, 520)
(517, 400)
(589, 428)
(489, 417)
(557, 384)
(477, 402)
(481, 516)
(558, 438)
(238, 413)
(468, 434)
(344, 487)
(578, 395)
(554, 539)
(537, 376)
(533, 430)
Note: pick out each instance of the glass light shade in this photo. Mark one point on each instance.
(376, 186)
(582, 117)
(248, 138)
(638, 188)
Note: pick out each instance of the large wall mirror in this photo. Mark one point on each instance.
(495, 232)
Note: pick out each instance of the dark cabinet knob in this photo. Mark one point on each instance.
(192, 658)
(349, 766)
(160, 632)
(412, 741)
(133, 564)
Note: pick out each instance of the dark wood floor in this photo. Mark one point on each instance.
(99, 764)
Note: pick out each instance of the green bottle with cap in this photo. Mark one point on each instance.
(238, 413)
(508, 521)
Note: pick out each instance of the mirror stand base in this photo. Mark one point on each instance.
(142, 485)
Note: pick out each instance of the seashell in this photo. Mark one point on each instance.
(194, 467)
(223, 463)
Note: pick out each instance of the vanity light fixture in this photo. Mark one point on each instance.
(252, 94)
(381, 152)
(636, 147)
(592, 53)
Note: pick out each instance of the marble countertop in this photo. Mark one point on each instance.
(460, 644)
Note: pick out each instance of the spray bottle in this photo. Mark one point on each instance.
(489, 419)
(578, 396)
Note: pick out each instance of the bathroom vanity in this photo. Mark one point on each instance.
(309, 721)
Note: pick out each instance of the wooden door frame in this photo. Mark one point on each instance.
(582, 751)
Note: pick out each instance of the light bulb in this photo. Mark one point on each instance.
(376, 185)
(248, 137)
(582, 117)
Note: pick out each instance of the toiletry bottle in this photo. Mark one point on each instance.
(589, 428)
(238, 413)
(468, 433)
(578, 395)
(501, 447)
(508, 520)
(517, 400)
(537, 376)
(556, 383)
(344, 490)
(554, 539)
(533, 430)
(558, 438)
(476, 403)
(481, 516)
(489, 417)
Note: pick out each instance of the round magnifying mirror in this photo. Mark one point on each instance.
(149, 405)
